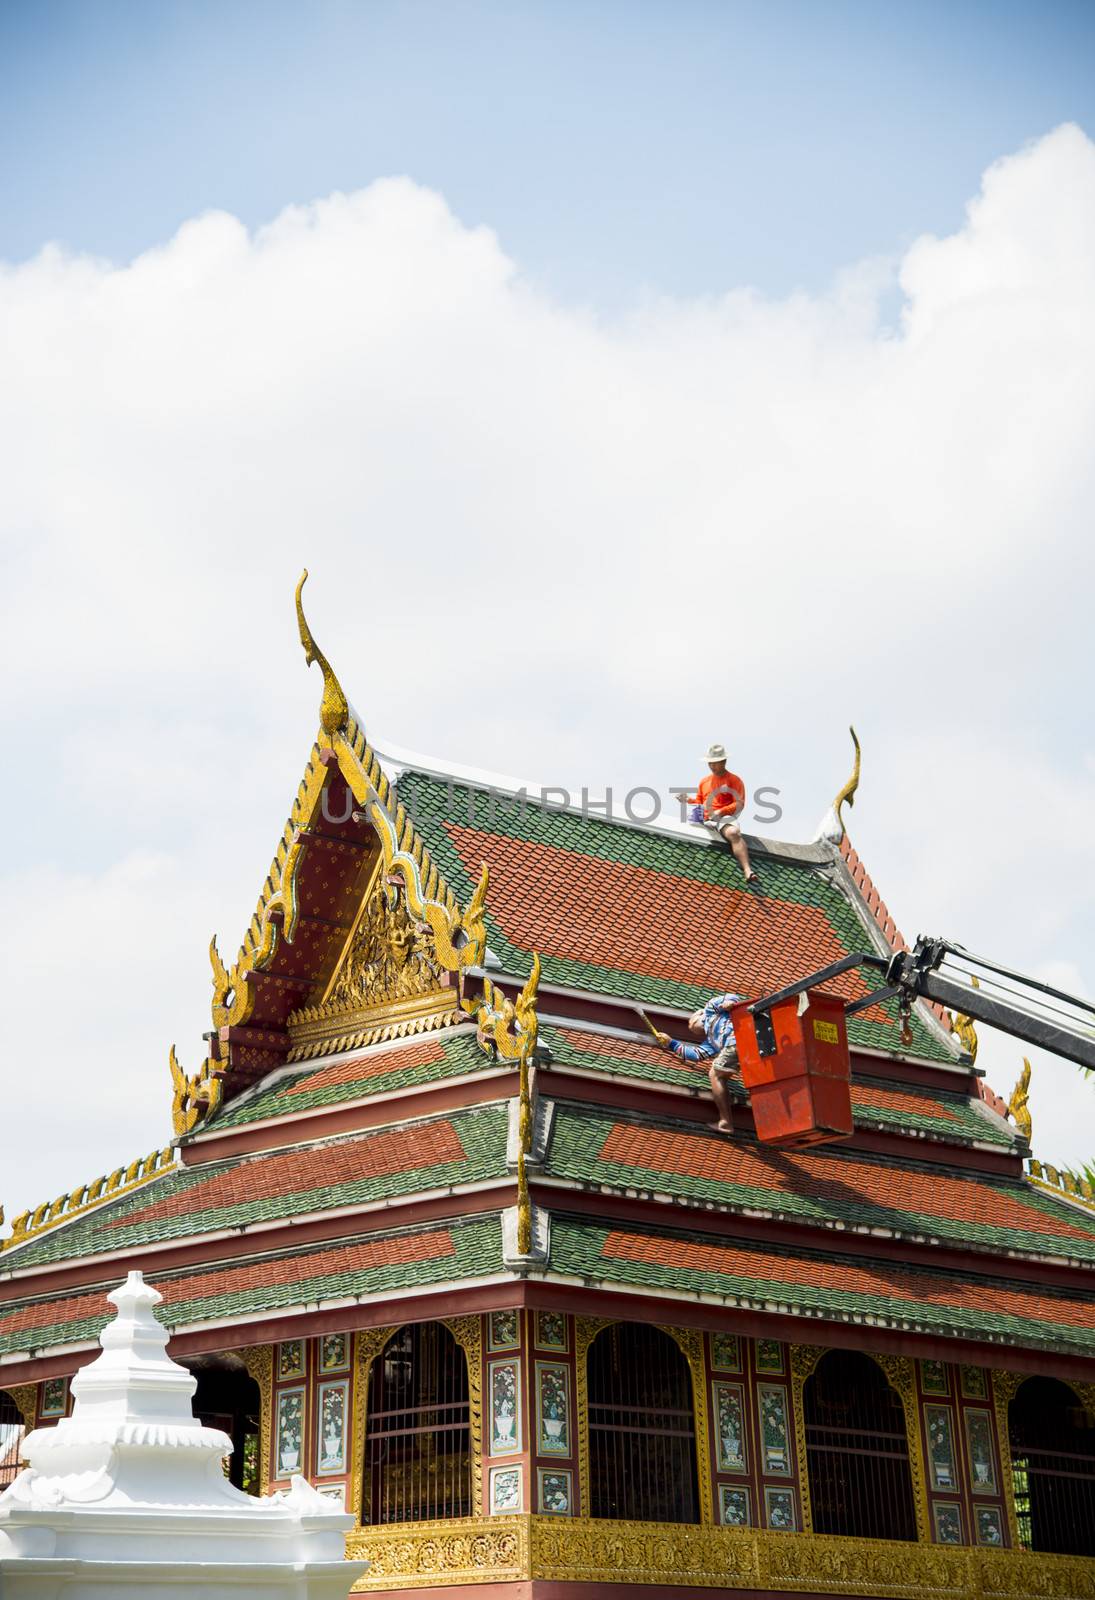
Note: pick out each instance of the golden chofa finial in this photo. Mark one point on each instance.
(334, 709)
(1019, 1104)
(847, 794)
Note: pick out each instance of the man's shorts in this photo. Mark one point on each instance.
(726, 1063)
(718, 822)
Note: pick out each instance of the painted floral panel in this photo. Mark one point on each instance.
(502, 1330)
(769, 1355)
(990, 1525)
(505, 1411)
(933, 1377)
(982, 1454)
(291, 1359)
(730, 1426)
(779, 1506)
(551, 1330)
(733, 1506)
(334, 1352)
(975, 1383)
(726, 1352)
(948, 1522)
(335, 1492)
(940, 1426)
(773, 1429)
(289, 1452)
(331, 1427)
(505, 1489)
(553, 1408)
(54, 1397)
(556, 1492)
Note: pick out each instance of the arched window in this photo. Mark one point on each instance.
(228, 1398)
(1053, 1464)
(857, 1452)
(418, 1434)
(11, 1438)
(642, 1431)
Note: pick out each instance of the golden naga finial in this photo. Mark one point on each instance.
(847, 794)
(1018, 1104)
(963, 1027)
(334, 709)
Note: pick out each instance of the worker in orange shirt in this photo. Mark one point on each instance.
(720, 796)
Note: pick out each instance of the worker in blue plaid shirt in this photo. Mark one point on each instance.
(713, 1026)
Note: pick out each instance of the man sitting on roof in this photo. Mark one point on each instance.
(719, 798)
(712, 1024)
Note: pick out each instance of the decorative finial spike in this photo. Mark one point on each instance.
(847, 794)
(334, 710)
(1018, 1104)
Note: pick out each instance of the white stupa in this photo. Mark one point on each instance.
(128, 1495)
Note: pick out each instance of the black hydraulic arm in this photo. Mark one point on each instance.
(1010, 1001)
(1027, 1008)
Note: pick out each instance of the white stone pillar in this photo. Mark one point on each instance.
(127, 1496)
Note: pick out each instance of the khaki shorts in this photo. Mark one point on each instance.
(718, 822)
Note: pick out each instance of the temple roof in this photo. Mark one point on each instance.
(430, 1038)
(777, 1280)
(657, 916)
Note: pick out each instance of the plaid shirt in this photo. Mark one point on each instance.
(717, 1027)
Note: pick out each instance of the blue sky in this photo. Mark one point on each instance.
(506, 398)
(615, 148)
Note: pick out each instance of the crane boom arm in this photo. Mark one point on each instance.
(935, 969)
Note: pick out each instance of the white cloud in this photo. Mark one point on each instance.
(541, 541)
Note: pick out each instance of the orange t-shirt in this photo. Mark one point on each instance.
(719, 792)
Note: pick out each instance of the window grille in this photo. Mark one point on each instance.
(11, 1438)
(642, 1432)
(418, 1433)
(857, 1451)
(1053, 1464)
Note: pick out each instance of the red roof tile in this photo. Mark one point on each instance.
(360, 1069)
(847, 1277)
(634, 919)
(296, 1171)
(828, 1177)
(358, 1257)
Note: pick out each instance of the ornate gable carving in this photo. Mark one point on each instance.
(388, 983)
(388, 957)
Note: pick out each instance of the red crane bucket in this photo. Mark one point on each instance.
(797, 1070)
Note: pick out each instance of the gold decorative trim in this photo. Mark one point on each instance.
(195, 1096)
(368, 1344)
(456, 936)
(848, 793)
(690, 1343)
(1043, 1175)
(259, 1361)
(964, 1028)
(901, 1375)
(334, 710)
(318, 1032)
(1004, 1388)
(468, 1333)
(123, 1180)
(1019, 1104)
(25, 1398)
(586, 1330)
(509, 1549)
(804, 1360)
(412, 1555)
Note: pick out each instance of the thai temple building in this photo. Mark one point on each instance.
(446, 1230)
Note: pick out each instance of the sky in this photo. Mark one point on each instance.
(628, 376)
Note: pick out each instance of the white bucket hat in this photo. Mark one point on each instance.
(717, 752)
